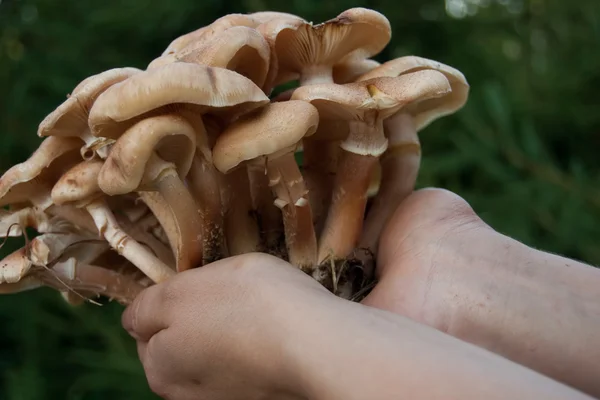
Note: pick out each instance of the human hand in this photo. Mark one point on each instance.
(223, 331)
(441, 265)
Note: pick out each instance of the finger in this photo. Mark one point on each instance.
(147, 315)
(163, 364)
(141, 350)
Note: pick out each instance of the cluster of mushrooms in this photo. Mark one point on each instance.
(146, 173)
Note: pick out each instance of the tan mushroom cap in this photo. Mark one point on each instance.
(275, 128)
(179, 85)
(303, 48)
(240, 49)
(27, 179)
(171, 137)
(79, 184)
(206, 32)
(426, 112)
(350, 70)
(385, 95)
(262, 17)
(70, 118)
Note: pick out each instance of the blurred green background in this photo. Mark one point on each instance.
(524, 151)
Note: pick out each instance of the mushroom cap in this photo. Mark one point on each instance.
(178, 85)
(385, 95)
(354, 34)
(262, 17)
(276, 127)
(350, 70)
(430, 110)
(70, 118)
(78, 184)
(29, 178)
(14, 222)
(206, 32)
(240, 49)
(171, 137)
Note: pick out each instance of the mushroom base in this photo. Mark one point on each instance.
(345, 278)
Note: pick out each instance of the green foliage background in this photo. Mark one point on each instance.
(524, 151)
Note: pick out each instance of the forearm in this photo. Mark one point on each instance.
(350, 351)
(540, 310)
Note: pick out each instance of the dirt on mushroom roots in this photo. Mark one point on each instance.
(346, 278)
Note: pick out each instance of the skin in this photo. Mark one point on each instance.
(442, 266)
(254, 327)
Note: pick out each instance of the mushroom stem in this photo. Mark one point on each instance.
(205, 185)
(319, 168)
(125, 245)
(358, 157)
(91, 278)
(185, 211)
(288, 185)
(74, 215)
(400, 166)
(144, 237)
(25, 284)
(316, 74)
(269, 216)
(241, 228)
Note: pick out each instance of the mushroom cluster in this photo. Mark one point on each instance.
(146, 173)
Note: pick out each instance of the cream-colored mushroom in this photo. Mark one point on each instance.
(310, 51)
(365, 105)
(240, 49)
(31, 181)
(268, 138)
(192, 91)
(206, 32)
(79, 186)
(70, 118)
(40, 252)
(401, 162)
(70, 275)
(179, 86)
(155, 155)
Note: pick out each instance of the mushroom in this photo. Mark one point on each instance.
(261, 17)
(155, 155)
(206, 32)
(14, 222)
(433, 109)
(268, 137)
(192, 91)
(400, 164)
(310, 51)
(365, 105)
(91, 278)
(320, 163)
(80, 186)
(240, 49)
(40, 252)
(31, 181)
(171, 88)
(70, 118)
(71, 275)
